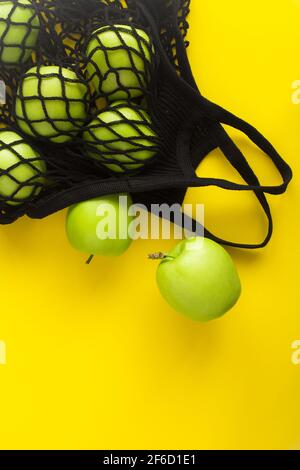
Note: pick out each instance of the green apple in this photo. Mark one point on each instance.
(22, 171)
(199, 279)
(119, 57)
(100, 226)
(40, 108)
(19, 29)
(121, 137)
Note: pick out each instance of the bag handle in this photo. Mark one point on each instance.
(232, 151)
(216, 132)
(239, 162)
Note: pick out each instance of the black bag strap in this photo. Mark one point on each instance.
(217, 117)
(239, 162)
(225, 117)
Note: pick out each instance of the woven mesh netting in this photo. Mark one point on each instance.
(23, 171)
(79, 80)
(19, 29)
(101, 100)
(178, 13)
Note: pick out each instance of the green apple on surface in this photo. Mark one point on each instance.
(118, 61)
(199, 279)
(22, 172)
(100, 226)
(122, 137)
(19, 30)
(40, 109)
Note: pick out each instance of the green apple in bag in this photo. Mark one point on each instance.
(122, 137)
(22, 171)
(51, 103)
(19, 30)
(119, 57)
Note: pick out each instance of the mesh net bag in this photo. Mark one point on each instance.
(19, 29)
(131, 118)
(22, 172)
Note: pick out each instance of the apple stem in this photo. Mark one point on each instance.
(157, 256)
(90, 259)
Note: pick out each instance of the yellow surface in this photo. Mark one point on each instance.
(96, 359)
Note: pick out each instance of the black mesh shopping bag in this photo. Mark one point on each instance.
(170, 126)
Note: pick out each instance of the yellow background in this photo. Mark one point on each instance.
(96, 359)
